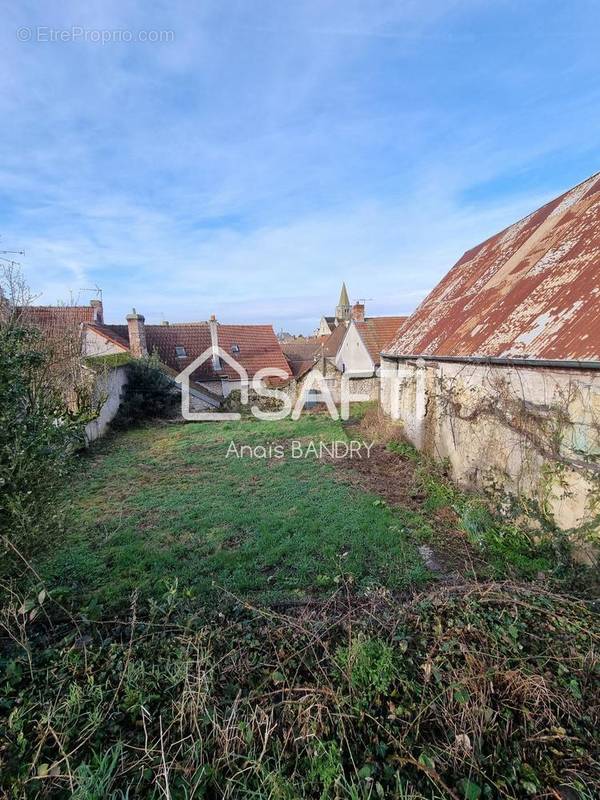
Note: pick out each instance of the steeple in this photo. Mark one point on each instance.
(342, 312)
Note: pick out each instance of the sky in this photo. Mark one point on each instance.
(263, 151)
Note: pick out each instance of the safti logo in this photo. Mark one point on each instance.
(315, 385)
(216, 355)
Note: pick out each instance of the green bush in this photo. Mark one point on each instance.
(38, 435)
(148, 394)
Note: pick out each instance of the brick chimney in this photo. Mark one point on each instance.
(358, 312)
(214, 342)
(137, 334)
(98, 311)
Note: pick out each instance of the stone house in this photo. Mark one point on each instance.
(352, 349)
(498, 370)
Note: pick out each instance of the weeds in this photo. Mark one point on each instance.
(471, 692)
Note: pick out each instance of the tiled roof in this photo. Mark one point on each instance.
(301, 354)
(377, 332)
(531, 291)
(301, 367)
(299, 349)
(258, 347)
(332, 343)
(56, 318)
(109, 333)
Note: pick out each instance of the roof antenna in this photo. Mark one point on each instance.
(4, 253)
(96, 290)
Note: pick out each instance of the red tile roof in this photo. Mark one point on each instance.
(258, 347)
(531, 291)
(108, 333)
(301, 354)
(331, 344)
(377, 333)
(56, 318)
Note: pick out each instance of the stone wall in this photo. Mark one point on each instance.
(108, 389)
(366, 386)
(530, 432)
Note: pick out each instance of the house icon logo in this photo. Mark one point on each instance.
(217, 356)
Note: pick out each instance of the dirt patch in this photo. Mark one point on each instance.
(383, 473)
(394, 477)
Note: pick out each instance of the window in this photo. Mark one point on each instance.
(235, 348)
(180, 351)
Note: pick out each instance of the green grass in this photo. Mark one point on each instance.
(163, 503)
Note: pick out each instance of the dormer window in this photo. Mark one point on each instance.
(235, 348)
(180, 352)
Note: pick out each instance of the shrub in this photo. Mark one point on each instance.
(148, 394)
(38, 434)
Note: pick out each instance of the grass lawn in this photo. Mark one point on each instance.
(465, 690)
(163, 503)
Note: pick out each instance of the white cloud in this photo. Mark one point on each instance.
(275, 149)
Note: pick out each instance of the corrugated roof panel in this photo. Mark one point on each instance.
(530, 291)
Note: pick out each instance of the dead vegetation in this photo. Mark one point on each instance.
(470, 691)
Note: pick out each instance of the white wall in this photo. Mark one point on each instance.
(96, 345)
(530, 431)
(353, 355)
(109, 387)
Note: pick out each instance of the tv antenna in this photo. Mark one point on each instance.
(96, 290)
(4, 253)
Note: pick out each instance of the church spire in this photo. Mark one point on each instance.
(342, 312)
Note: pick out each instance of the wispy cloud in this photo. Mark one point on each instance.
(273, 150)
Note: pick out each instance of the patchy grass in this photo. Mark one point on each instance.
(164, 503)
(174, 673)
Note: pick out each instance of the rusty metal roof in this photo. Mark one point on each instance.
(531, 291)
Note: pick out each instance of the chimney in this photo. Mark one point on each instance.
(358, 312)
(137, 334)
(98, 311)
(214, 342)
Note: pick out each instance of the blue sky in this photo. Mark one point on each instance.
(274, 149)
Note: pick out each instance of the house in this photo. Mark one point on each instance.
(353, 348)
(65, 331)
(316, 354)
(177, 345)
(58, 319)
(254, 347)
(498, 370)
(359, 353)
